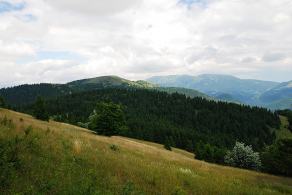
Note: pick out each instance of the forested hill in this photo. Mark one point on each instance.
(182, 121)
(27, 94)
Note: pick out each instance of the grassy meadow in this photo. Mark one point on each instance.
(54, 158)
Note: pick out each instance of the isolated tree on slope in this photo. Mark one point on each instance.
(39, 110)
(107, 119)
(243, 156)
(2, 102)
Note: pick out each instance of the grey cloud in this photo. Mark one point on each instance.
(93, 7)
(273, 57)
(248, 60)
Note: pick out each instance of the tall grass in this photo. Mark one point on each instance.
(56, 158)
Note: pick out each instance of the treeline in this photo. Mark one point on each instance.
(27, 94)
(193, 124)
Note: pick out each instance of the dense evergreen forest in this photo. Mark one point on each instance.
(187, 123)
(27, 94)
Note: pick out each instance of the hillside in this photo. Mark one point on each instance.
(106, 82)
(279, 96)
(57, 158)
(157, 116)
(26, 94)
(225, 87)
(244, 90)
(188, 92)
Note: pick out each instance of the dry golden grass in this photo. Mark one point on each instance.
(73, 160)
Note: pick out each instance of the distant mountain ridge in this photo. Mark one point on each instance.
(226, 87)
(26, 94)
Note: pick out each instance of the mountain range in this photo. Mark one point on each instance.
(269, 94)
(273, 95)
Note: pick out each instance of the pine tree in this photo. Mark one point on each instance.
(108, 119)
(39, 111)
(167, 144)
(2, 102)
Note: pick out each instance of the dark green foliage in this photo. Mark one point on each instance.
(27, 94)
(155, 116)
(277, 159)
(107, 119)
(167, 144)
(243, 156)
(2, 102)
(39, 110)
(209, 153)
(9, 160)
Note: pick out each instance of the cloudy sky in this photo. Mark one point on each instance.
(64, 40)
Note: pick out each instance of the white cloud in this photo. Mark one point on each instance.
(140, 38)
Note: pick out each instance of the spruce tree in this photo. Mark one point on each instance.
(39, 111)
(107, 119)
(2, 102)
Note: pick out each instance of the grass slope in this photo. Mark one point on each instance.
(57, 158)
(284, 132)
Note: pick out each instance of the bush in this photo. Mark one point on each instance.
(168, 143)
(243, 156)
(167, 146)
(9, 160)
(114, 148)
(209, 153)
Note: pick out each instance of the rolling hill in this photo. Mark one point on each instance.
(279, 96)
(27, 94)
(225, 87)
(57, 158)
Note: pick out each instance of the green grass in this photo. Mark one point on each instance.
(57, 158)
(284, 132)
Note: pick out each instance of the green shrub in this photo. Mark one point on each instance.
(168, 143)
(209, 153)
(28, 130)
(243, 156)
(114, 147)
(167, 146)
(9, 160)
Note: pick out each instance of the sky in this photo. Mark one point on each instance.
(63, 40)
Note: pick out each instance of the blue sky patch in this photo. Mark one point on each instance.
(53, 55)
(6, 6)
